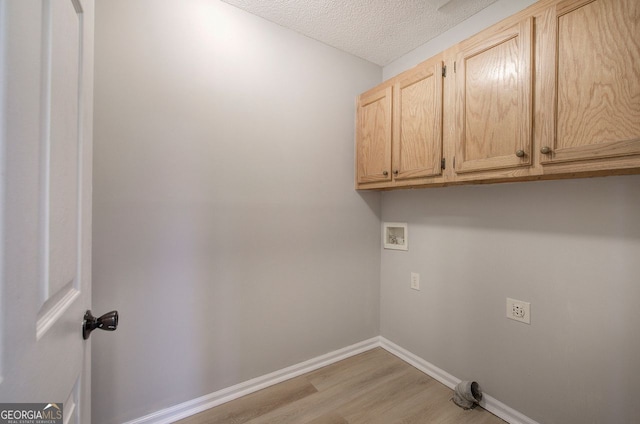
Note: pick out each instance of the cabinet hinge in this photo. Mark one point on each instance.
(454, 162)
(444, 71)
(443, 163)
(454, 67)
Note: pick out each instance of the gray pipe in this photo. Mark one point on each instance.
(467, 394)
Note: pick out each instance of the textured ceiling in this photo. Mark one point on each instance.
(376, 30)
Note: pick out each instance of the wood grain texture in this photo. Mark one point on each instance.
(374, 387)
(583, 101)
(491, 103)
(417, 122)
(494, 99)
(597, 80)
(373, 139)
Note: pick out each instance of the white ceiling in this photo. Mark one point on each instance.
(376, 30)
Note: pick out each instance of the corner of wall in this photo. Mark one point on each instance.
(488, 16)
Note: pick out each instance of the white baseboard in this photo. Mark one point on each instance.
(488, 402)
(192, 407)
(424, 366)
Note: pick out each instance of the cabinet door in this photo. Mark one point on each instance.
(417, 123)
(597, 81)
(494, 100)
(374, 136)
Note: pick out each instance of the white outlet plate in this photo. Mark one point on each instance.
(518, 310)
(415, 281)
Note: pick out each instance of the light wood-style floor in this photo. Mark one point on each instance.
(373, 387)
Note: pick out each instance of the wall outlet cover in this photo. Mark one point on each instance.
(518, 310)
(415, 281)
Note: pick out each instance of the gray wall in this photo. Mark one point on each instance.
(571, 248)
(226, 228)
(224, 202)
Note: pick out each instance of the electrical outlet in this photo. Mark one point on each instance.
(415, 281)
(519, 310)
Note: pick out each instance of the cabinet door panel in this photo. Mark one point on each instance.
(417, 150)
(597, 102)
(494, 101)
(374, 136)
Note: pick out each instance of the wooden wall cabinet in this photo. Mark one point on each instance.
(417, 129)
(494, 100)
(551, 92)
(593, 77)
(373, 134)
(399, 129)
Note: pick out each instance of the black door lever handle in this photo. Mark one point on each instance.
(107, 322)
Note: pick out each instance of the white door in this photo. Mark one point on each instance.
(46, 70)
